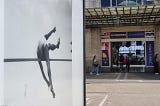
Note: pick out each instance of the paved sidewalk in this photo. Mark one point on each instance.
(123, 94)
(123, 89)
(124, 76)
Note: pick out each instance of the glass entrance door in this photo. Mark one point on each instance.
(120, 51)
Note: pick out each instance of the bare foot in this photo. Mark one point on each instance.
(53, 93)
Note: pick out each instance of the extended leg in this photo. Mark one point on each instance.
(97, 70)
(43, 74)
(50, 77)
(49, 34)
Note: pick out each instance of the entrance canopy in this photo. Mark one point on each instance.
(123, 16)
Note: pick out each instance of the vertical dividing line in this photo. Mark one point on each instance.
(110, 3)
(84, 62)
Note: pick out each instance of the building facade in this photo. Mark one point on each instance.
(122, 27)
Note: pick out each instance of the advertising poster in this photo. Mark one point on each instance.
(149, 53)
(37, 53)
(105, 47)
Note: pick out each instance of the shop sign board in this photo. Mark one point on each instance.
(137, 34)
(117, 35)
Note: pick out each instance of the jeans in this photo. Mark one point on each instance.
(95, 69)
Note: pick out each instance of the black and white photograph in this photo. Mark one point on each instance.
(38, 53)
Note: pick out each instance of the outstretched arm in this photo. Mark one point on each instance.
(53, 46)
(50, 33)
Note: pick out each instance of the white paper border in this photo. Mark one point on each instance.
(1, 52)
(77, 54)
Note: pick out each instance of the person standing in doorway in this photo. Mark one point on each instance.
(43, 55)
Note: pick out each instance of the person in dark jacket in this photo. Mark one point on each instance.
(156, 64)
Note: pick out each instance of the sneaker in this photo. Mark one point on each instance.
(156, 73)
(91, 73)
(97, 74)
(53, 94)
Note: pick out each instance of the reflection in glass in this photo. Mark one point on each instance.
(121, 2)
(148, 1)
(105, 3)
(139, 2)
(114, 3)
(133, 48)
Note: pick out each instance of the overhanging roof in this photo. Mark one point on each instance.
(122, 16)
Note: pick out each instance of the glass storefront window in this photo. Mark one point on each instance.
(148, 1)
(114, 3)
(127, 2)
(132, 2)
(134, 49)
(121, 2)
(105, 3)
(139, 2)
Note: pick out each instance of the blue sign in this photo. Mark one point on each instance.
(139, 34)
(149, 53)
